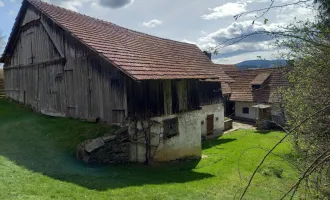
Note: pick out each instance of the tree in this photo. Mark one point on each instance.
(309, 93)
(307, 100)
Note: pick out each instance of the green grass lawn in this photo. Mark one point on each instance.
(37, 161)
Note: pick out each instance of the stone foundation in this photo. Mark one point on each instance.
(105, 150)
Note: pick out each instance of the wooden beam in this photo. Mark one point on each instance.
(53, 41)
(46, 63)
(30, 24)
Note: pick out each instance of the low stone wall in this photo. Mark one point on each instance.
(228, 124)
(112, 149)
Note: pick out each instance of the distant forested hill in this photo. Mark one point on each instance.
(249, 64)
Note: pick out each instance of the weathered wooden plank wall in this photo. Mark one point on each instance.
(210, 93)
(162, 97)
(84, 86)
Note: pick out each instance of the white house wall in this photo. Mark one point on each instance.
(186, 144)
(239, 110)
(218, 111)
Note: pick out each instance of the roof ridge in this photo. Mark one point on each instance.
(108, 22)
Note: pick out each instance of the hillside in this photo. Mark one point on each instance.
(248, 64)
(37, 161)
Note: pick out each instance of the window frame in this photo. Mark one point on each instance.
(246, 110)
(171, 128)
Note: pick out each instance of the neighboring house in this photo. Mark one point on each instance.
(255, 94)
(62, 63)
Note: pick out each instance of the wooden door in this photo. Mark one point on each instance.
(209, 124)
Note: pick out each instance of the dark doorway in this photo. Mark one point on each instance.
(230, 108)
(209, 124)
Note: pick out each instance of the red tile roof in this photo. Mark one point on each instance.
(219, 72)
(260, 78)
(241, 89)
(139, 55)
(225, 88)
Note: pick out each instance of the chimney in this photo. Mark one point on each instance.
(209, 55)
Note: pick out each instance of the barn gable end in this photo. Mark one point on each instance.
(56, 74)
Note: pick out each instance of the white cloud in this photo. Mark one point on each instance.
(152, 23)
(290, 13)
(188, 41)
(2, 4)
(11, 13)
(73, 5)
(250, 45)
(249, 16)
(228, 9)
(76, 4)
(248, 56)
(238, 29)
(256, 1)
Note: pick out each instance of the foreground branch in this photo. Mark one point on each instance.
(272, 6)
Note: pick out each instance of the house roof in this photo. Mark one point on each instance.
(241, 89)
(225, 88)
(260, 78)
(139, 55)
(219, 72)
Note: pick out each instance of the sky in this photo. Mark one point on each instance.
(205, 23)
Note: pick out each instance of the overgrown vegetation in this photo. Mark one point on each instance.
(307, 101)
(37, 161)
(310, 92)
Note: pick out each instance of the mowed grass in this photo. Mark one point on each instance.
(37, 161)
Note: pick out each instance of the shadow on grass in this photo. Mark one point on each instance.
(269, 131)
(264, 131)
(47, 145)
(215, 142)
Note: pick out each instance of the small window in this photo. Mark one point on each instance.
(255, 87)
(246, 110)
(171, 128)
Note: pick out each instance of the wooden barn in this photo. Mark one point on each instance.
(62, 63)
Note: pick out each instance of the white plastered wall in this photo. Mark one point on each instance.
(218, 111)
(186, 144)
(253, 114)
